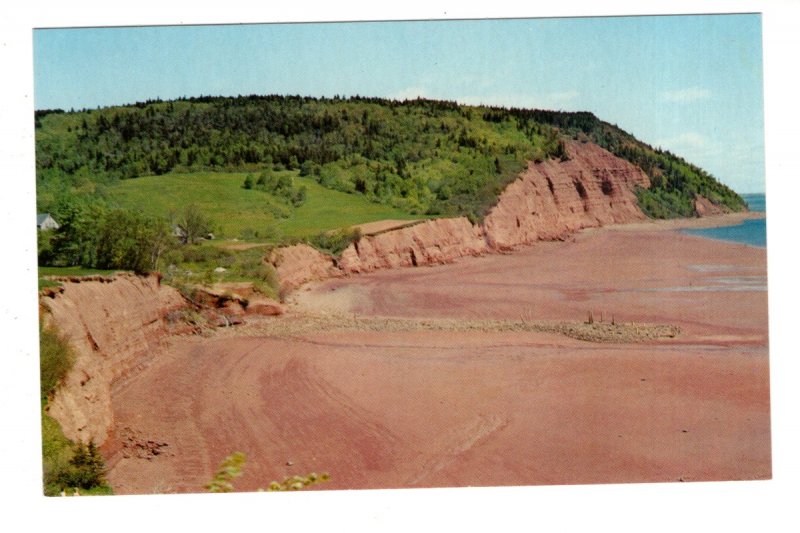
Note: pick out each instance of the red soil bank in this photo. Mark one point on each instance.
(429, 243)
(555, 198)
(300, 264)
(113, 326)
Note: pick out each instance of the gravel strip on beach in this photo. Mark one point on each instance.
(305, 323)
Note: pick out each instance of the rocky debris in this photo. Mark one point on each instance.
(234, 307)
(235, 301)
(52, 291)
(221, 320)
(304, 323)
(617, 333)
(264, 307)
(137, 447)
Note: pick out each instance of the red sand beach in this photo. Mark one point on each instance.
(422, 408)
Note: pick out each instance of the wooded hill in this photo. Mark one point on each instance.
(425, 157)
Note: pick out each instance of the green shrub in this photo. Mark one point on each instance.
(65, 465)
(334, 242)
(85, 470)
(55, 360)
(230, 468)
(248, 182)
(201, 254)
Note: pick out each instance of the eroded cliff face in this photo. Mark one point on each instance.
(703, 207)
(555, 198)
(428, 243)
(300, 263)
(549, 200)
(113, 325)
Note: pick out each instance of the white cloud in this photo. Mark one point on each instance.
(688, 140)
(553, 100)
(409, 93)
(690, 94)
(560, 98)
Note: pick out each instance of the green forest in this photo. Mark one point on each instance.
(264, 167)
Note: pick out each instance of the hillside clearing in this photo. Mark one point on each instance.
(236, 212)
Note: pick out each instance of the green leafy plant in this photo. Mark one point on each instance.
(298, 482)
(334, 242)
(55, 360)
(231, 468)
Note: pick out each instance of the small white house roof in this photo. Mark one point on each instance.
(45, 221)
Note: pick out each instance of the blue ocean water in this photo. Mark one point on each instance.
(752, 232)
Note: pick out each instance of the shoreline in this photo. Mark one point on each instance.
(714, 221)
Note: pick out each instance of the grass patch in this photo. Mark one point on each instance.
(45, 283)
(335, 242)
(219, 196)
(72, 271)
(197, 264)
(236, 212)
(55, 360)
(327, 209)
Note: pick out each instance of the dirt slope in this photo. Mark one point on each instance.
(300, 264)
(113, 326)
(432, 242)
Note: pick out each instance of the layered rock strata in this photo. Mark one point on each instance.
(555, 198)
(112, 326)
(431, 242)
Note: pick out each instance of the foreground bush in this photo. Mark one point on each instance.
(65, 466)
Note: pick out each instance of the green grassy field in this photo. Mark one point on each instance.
(326, 209)
(72, 271)
(236, 212)
(66, 271)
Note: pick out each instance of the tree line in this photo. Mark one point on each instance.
(424, 156)
(92, 234)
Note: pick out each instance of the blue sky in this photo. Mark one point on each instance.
(691, 84)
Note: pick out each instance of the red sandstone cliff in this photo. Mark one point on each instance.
(548, 201)
(703, 207)
(112, 326)
(555, 198)
(431, 242)
(300, 264)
